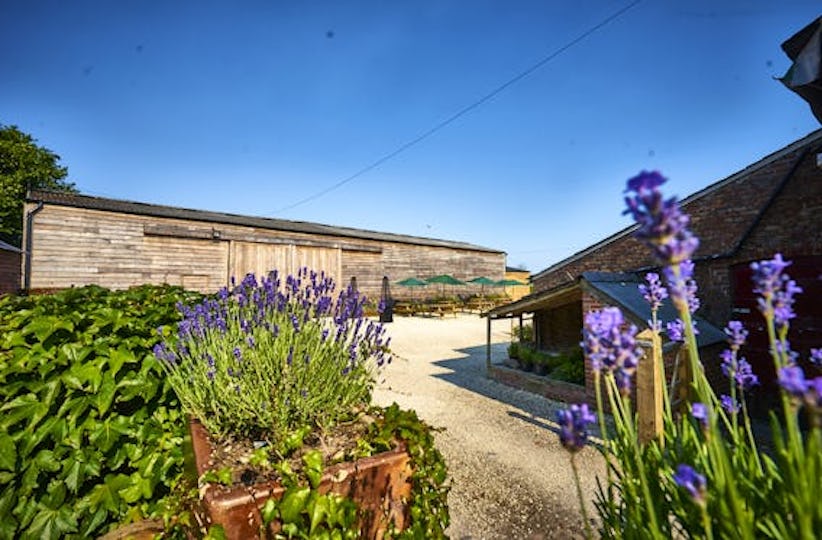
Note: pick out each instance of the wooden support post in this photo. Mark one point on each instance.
(488, 346)
(649, 387)
(681, 394)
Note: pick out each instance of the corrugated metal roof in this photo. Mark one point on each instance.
(145, 209)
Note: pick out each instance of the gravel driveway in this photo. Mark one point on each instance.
(511, 478)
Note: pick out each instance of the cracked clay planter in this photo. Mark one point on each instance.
(380, 485)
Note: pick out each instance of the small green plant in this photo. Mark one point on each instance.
(524, 333)
(269, 358)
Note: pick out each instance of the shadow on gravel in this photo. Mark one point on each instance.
(469, 372)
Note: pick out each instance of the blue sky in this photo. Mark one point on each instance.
(251, 107)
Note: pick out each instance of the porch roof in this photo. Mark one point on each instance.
(615, 288)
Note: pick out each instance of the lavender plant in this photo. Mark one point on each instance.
(706, 476)
(267, 358)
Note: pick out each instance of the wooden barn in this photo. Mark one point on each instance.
(77, 240)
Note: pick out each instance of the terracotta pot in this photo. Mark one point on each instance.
(380, 485)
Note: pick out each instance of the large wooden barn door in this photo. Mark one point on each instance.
(260, 258)
(319, 259)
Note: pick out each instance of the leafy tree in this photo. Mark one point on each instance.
(24, 165)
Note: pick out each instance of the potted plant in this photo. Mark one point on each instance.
(541, 363)
(277, 379)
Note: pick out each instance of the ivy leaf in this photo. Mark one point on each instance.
(215, 532)
(75, 353)
(44, 327)
(106, 434)
(79, 466)
(8, 526)
(51, 524)
(21, 407)
(117, 358)
(313, 467)
(105, 395)
(8, 452)
(34, 439)
(318, 512)
(269, 511)
(293, 504)
(96, 520)
(107, 494)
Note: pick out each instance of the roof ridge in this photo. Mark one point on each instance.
(807, 140)
(142, 208)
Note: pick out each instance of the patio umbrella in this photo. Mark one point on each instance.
(483, 281)
(443, 280)
(412, 282)
(509, 283)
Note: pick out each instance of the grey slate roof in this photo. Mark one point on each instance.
(623, 289)
(8, 247)
(154, 210)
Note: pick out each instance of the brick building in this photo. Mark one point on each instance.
(9, 268)
(773, 205)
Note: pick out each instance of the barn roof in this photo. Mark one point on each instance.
(155, 210)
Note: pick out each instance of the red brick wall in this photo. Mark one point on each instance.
(559, 328)
(720, 217)
(9, 271)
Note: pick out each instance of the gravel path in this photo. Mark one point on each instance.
(511, 478)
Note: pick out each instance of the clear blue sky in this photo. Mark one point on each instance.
(250, 107)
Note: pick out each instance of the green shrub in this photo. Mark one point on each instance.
(90, 434)
(271, 358)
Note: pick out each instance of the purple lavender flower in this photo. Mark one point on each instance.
(744, 376)
(792, 380)
(816, 357)
(661, 223)
(654, 293)
(676, 330)
(738, 369)
(736, 334)
(573, 426)
(729, 404)
(813, 395)
(609, 347)
(776, 289)
(238, 354)
(682, 286)
(693, 482)
(700, 413)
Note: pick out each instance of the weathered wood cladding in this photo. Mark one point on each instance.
(74, 246)
(399, 261)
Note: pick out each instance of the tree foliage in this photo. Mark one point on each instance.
(24, 165)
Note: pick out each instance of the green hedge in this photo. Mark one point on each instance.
(90, 435)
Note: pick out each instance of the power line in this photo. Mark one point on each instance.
(465, 110)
